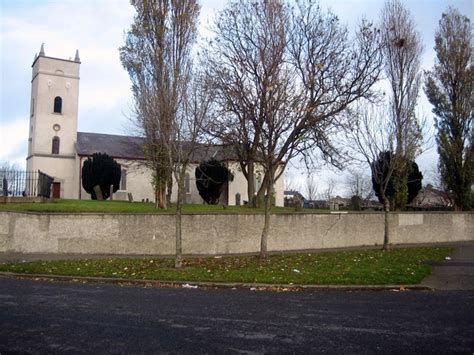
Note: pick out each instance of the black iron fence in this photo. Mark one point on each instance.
(25, 183)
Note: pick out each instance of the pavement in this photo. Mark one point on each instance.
(457, 273)
(454, 273)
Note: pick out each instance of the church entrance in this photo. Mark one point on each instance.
(56, 189)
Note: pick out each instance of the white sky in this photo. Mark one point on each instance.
(96, 28)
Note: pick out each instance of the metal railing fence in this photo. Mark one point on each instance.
(25, 183)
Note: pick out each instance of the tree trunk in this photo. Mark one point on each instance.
(386, 239)
(266, 226)
(157, 197)
(260, 198)
(169, 189)
(179, 206)
(179, 241)
(162, 196)
(251, 183)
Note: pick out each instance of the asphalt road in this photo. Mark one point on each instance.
(45, 317)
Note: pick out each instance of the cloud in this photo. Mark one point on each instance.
(14, 141)
(95, 28)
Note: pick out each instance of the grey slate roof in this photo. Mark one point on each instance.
(128, 147)
(124, 147)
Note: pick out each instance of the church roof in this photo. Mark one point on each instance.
(125, 147)
(131, 148)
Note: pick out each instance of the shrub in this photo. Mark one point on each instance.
(100, 170)
(211, 177)
(414, 178)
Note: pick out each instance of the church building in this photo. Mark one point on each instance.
(56, 147)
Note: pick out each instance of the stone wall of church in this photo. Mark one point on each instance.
(139, 183)
(216, 234)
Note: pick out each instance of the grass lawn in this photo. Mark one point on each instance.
(368, 267)
(74, 206)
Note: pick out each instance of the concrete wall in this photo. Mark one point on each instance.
(220, 234)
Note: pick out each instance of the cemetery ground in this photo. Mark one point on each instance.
(94, 206)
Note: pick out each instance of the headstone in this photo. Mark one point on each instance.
(5, 186)
(98, 193)
(237, 199)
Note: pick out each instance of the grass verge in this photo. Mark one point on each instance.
(90, 206)
(368, 267)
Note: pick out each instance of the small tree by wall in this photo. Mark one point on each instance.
(98, 173)
(211, 177)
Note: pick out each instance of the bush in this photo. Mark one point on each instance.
(414, 178)
(100, 170)
(356, 203)
(211, 177)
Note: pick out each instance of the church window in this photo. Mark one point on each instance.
(187, 185)
(58, 104)
(257, 181)
(55, 145)
(123, 180)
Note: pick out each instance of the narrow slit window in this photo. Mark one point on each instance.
(123, 180)
(187, 185)
(55, 145)
(58, 104)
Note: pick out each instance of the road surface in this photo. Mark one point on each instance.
(46, 317)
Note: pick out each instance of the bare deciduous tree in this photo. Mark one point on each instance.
(288, 75)
(371, 136)
(402, 52)
(311, 187)
(188, 137)
(242, 60)
(328, 192)
(359, 184)
(326, 72)
(157, 54)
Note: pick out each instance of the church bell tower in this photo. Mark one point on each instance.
(53, 121)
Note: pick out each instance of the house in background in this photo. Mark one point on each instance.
(431, 198)
(293, 198)
(338, 202)
(58, 149)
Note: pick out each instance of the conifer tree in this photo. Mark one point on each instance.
(449, 88)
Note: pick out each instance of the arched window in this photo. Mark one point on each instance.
(58, 104)
(55, 145)
(123, 180)
(187, 185)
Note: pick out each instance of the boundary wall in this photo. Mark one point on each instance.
(217, 234)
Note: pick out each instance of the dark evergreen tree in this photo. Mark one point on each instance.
(383, 165)
(356, 203)
(100, 170)
(414, 181)
(211, 177)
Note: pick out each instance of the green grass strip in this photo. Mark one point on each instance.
(94, 206)
(367, 267)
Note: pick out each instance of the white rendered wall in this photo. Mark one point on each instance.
(239, 185)
(52, 77)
